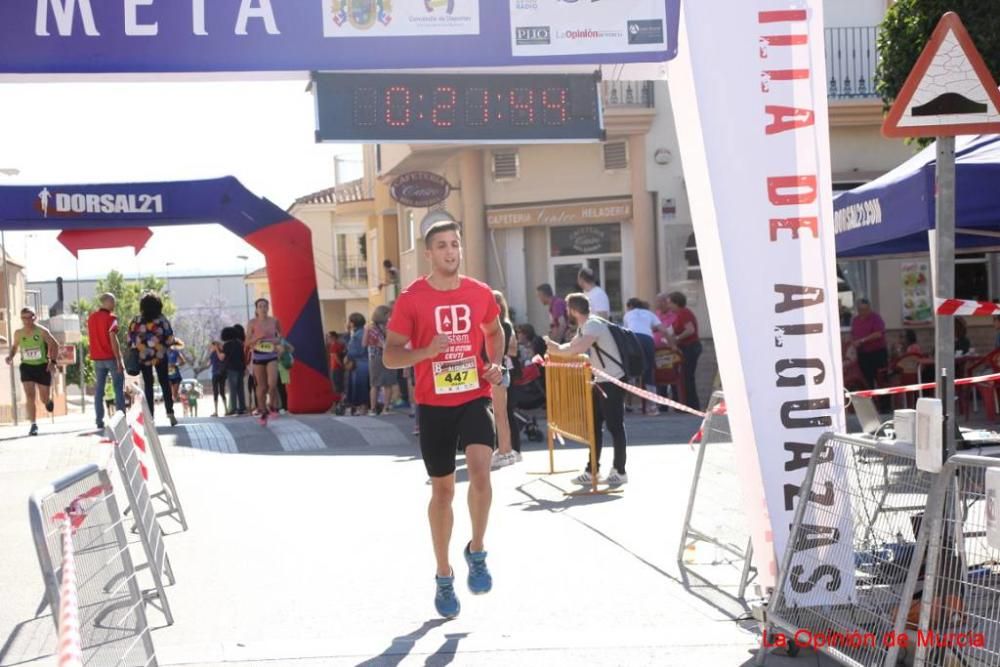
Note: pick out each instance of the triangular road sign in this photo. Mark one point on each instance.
(949, 91)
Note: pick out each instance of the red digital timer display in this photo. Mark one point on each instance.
(473, 107)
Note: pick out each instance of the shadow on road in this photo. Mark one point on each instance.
(401, 646)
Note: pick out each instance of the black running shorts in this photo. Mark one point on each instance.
(37, 373)
(445, 430)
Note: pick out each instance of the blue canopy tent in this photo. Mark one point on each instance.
(892, 214)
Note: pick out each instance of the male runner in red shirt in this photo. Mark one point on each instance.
(439, 325)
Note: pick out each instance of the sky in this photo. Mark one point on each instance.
(94, 132)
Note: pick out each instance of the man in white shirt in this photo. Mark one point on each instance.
(600, 304)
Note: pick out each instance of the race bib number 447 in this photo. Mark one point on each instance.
(31, 355)
(455, 377)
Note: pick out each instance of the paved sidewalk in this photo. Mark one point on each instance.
(300, 555)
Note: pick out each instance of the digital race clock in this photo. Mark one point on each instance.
(474, 108)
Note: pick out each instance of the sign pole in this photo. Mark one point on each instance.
(944, 326)
(10, 328)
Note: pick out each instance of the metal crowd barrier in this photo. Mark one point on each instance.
(727, 537)
(926, 582)
(569, 406)
(112, 617)
(139, 416)
(141, 503)
(959, 621)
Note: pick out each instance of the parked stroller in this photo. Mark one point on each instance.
(527, 392)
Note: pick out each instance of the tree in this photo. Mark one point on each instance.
(908, 25)
(198, 329)
(127, 294)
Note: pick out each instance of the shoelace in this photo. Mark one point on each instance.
(479, 568)
(446, 590)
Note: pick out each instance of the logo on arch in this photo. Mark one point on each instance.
(453, 320)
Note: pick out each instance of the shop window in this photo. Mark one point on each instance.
(506, 165)
(691, 257)
(615, 155)
(972, 277)
(579, 240)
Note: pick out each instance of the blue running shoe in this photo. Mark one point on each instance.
(480, 580)
(445, 600)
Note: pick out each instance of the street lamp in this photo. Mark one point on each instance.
(246, 288)
(9, 171)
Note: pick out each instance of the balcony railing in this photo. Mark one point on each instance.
(351, 272)
(851, 58)
(636, 94)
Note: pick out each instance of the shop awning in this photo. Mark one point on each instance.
(892, 214)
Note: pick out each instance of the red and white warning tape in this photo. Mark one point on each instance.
(137, 425)
(888, 391)
(961, 307)
(638, 391)
(70, 644)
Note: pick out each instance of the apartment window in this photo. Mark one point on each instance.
(506, 165)
(615, 155)
(350, 259)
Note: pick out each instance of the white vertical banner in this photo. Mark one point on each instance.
(750, 98)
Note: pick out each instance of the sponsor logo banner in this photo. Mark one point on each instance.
(360, 18)
(68, 37)
(766, 245)
(597, 26)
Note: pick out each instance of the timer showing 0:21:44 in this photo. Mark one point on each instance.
(445, 106)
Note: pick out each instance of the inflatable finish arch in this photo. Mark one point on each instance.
(285, 242)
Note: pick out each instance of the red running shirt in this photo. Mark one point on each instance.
(422, 312)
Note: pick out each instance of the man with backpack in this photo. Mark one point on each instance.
(609, 348)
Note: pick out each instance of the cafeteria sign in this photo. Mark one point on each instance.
(610, 210)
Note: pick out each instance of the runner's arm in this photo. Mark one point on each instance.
(51, 345)
(13, 349)
(396, 355)
(494, 350)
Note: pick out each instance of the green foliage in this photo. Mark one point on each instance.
(127, 293)
(908, 25)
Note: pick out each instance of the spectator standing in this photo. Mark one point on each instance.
(684, 336)
(558, 319)
(357, 365)
(508, 450)
(105, 352)
(379, 377)
(600, 304)
(234, 365)
(151, 336)
(868, 338)
(609, 398)
(286, 359)
(391, 284)
(336, 350)
(643, 322)
(667, 318)
(218, 377)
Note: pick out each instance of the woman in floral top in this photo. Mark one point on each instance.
(151, 336)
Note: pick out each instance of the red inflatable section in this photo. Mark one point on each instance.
(287, 249)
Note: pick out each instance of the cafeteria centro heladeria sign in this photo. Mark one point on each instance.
(151, 36)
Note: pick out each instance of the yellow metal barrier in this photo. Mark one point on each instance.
(569, 406)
